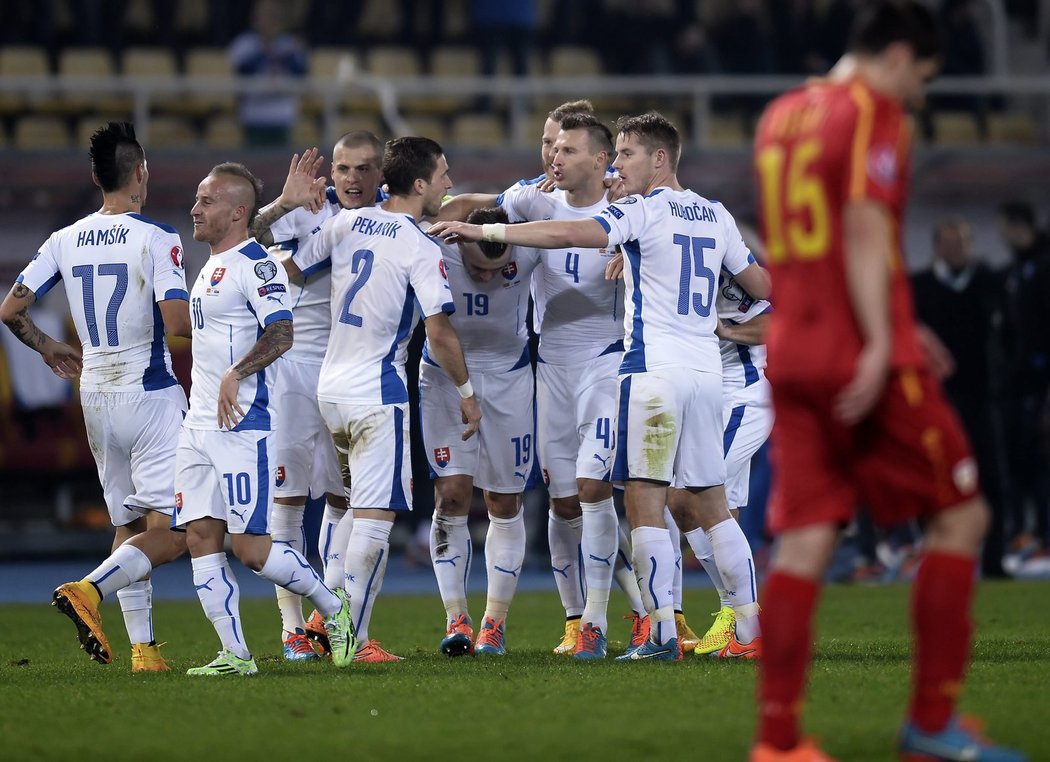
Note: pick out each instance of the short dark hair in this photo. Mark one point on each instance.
(487, 216)
(571, 107)
(653, 131)
(358, 138)
(406, 160)
(599, 135)
(880, 24)
(1018, 212)
(236, 169)
(115, 152)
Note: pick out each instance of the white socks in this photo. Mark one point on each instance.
(450, 552)
(705, 554)
(335, 555)
(220, 597)
(504, 554)
(365, 567)
(136, 603)
(565, 537)
(288, 568)
(286, 528)
(737, 567)
(676, 543)
(624, 574)
(328, 543)
(125, 565)
(654, 565)
(599, 544)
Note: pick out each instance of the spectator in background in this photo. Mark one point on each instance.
(503, 26)
(962, 301)
(268, 50)
(1028, 328)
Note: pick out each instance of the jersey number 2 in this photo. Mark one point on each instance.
(361, 266)
(86, 273)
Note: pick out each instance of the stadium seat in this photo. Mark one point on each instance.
(305, 134)
(191, 18)
(1015, 129)
(348, 123)
(533, 130)
(223, 132)
(87, 62)
(208, 64)
(170, 132)
(332, 68)
(955, 128)
(20, 61)
(392, 61)
(723, 131)
(41, 133)
(478, 131)
(428, 126)
(86, 126)
(448, 61)
(573, 61)
(148, 62)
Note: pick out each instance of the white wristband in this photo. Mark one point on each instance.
(495, 231)
(465, 389)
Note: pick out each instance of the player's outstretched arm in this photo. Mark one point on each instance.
(64, 360)
(755, 280)
(458, 207)
(550, 234)
(867, 238)
(274, 342)
(302, 188)
(176, 316)
(446, 349)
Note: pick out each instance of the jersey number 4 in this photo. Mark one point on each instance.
(361, 266)
(86, 273)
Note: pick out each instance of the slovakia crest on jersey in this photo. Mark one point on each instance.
(178, 501)
(176, 256)
(442, 456)
(510, 270)
(216, 275)
(278, 476)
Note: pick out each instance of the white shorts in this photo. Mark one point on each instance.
(576, 407)
(373, 443)
(669, 428)
(501, 454)
(307, 462)
(225, 475)
(747, 416)
(132, 436)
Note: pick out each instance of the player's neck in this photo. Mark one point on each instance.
(663, 180)
(231, 240)
(587, 194)
(121, 202)
(876, 76)
(410, 205)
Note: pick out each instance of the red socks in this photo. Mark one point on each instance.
(940, 615)
(786, 623)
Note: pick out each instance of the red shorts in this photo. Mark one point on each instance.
(908, 459)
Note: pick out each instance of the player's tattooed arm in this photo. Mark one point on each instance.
(302, 188)
(275, 341)
(64, 360)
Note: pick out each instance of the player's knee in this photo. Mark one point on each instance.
(452, 501)
(593, 491)
(502, 506)
(566, 508)
(960, 529)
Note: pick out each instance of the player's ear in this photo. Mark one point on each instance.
(419, 185)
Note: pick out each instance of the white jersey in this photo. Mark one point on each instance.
(385, 272)
(490, 317)
(578, 313)
(310, 300)
(238, 293)
(743, 365)
(675, 245)
(115, 267)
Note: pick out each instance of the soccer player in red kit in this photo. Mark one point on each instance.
(859, 416)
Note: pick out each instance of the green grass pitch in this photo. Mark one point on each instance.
(529, 705)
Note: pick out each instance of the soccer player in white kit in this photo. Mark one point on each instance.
(675, 243)
(489, 284)
(579, 316)
(224, 475)
(385, 273)
(307, 462)
(124, 279)
(747, 417)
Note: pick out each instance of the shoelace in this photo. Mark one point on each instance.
(299, 644)
(589, 637)
(638, 633)
(491, 635)
(458, 623)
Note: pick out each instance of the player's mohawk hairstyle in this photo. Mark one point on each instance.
(114, 152)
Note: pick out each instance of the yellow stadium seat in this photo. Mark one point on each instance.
(332, 68)
(392, 61)
(223, 132)
(955, 128)
(208, 64)
(1016, 129)
(88, 62)
(170, 132)
(427, 126)
(572, 61)
(87, 125)
(306, 134)
(148, 62)
(347, 123)
(478, 131)
(41, 133)
(20, 61)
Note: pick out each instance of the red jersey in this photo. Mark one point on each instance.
(817, 148)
